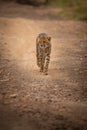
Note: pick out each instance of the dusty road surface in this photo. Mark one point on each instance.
(30, 100)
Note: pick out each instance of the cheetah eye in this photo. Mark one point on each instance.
(41, 46)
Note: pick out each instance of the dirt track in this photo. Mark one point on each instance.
(28, 99)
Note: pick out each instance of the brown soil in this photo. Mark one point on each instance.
(30, 100)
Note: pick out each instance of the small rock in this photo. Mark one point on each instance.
(13, 95)
(69, 94)
(50, 100)
(81, 58)
(85, 56)
(3, 93)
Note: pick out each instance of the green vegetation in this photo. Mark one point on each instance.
(76, 9)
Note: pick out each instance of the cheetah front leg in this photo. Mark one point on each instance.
(47, 60)
(41, 66)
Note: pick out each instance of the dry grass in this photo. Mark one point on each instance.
(76, 9)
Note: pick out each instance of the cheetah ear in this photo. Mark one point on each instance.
(38, 40)
(49, 38)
